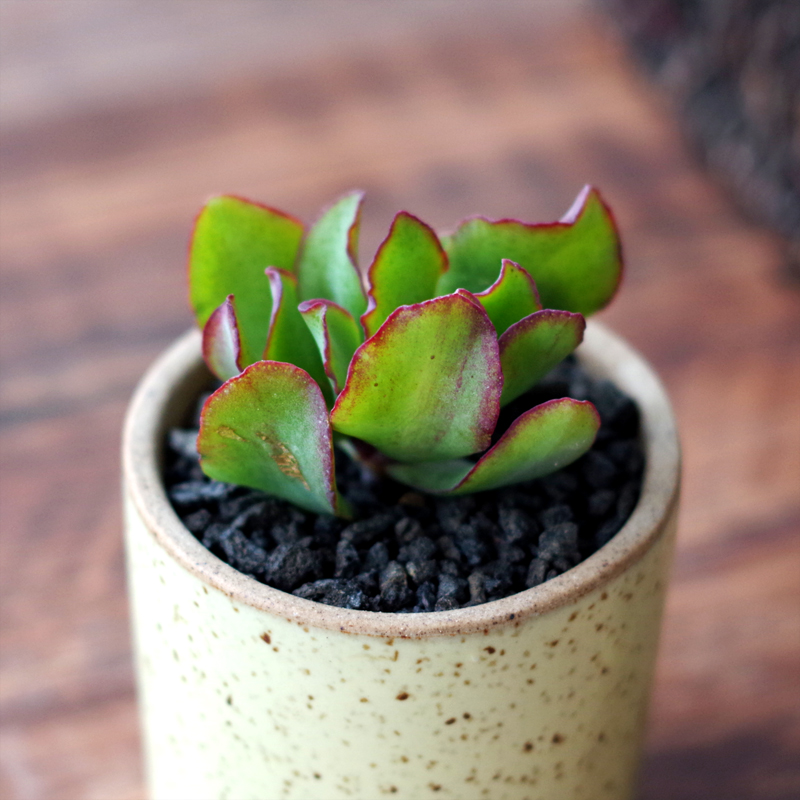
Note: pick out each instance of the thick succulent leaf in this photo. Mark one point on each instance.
(427, 385)
(221, 346)
(405, 271)
(337, 336)
(540, 441)
(510, 298)
(234, 240)
(530, 348)
(327, 267)
(268, 428)
(289, 338)
(576, 262)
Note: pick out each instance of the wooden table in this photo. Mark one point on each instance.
(498, 110)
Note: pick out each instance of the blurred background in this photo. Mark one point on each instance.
(120, 117)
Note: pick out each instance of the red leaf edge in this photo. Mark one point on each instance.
(326, 454)
(535, 411)
(573, 214)
(213, 323)
(487, 415)
(204, 208)
(371, 301)
(504, 265)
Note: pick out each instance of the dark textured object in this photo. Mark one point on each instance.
(348, 562)
(243, 554)
(198, 521)
(515, 525)
(426, 597)
(377, 557)
(536, 573)
(291, 565)
(192, 494)
(453, 591)
(394, 587)
(333, 592)
(559, 541)
(600, 503)
(412, 553)
(422, 571)
(733, 67)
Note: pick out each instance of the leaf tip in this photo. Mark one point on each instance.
(221, 342)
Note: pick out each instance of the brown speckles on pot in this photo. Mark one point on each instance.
(225, 717)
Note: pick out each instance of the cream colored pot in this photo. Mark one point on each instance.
(248, 693)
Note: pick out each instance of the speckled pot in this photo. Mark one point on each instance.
(248, 693)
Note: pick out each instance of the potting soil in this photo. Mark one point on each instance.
(410, 552)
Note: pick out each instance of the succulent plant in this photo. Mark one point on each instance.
(406, 370)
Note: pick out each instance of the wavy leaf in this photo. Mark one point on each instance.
(268, 428)
(405, 270)
(530, 348)
(337, 336)
(221, 343)
(427, 385)
(328, 268)
(576, 262)
(233, 241)
(510, 298)
(540, 441)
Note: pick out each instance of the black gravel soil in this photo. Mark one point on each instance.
(408, 552)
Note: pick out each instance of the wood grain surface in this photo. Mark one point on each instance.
(500, 111)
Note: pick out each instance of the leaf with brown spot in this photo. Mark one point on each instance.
(268, 428)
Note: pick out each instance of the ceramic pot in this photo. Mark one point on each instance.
(249, 693)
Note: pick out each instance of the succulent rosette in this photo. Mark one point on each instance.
(407, 369)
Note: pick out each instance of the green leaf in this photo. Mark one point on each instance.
(327, 268)
(530, 348)
(289, 338)
(221, 347)
(234, 240)
(405, 271)
(510, 298)
(427, 385)
(540, 441)
(268, 428)
(576, 262)
(337, 336)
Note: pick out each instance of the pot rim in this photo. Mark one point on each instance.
(160, 401)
